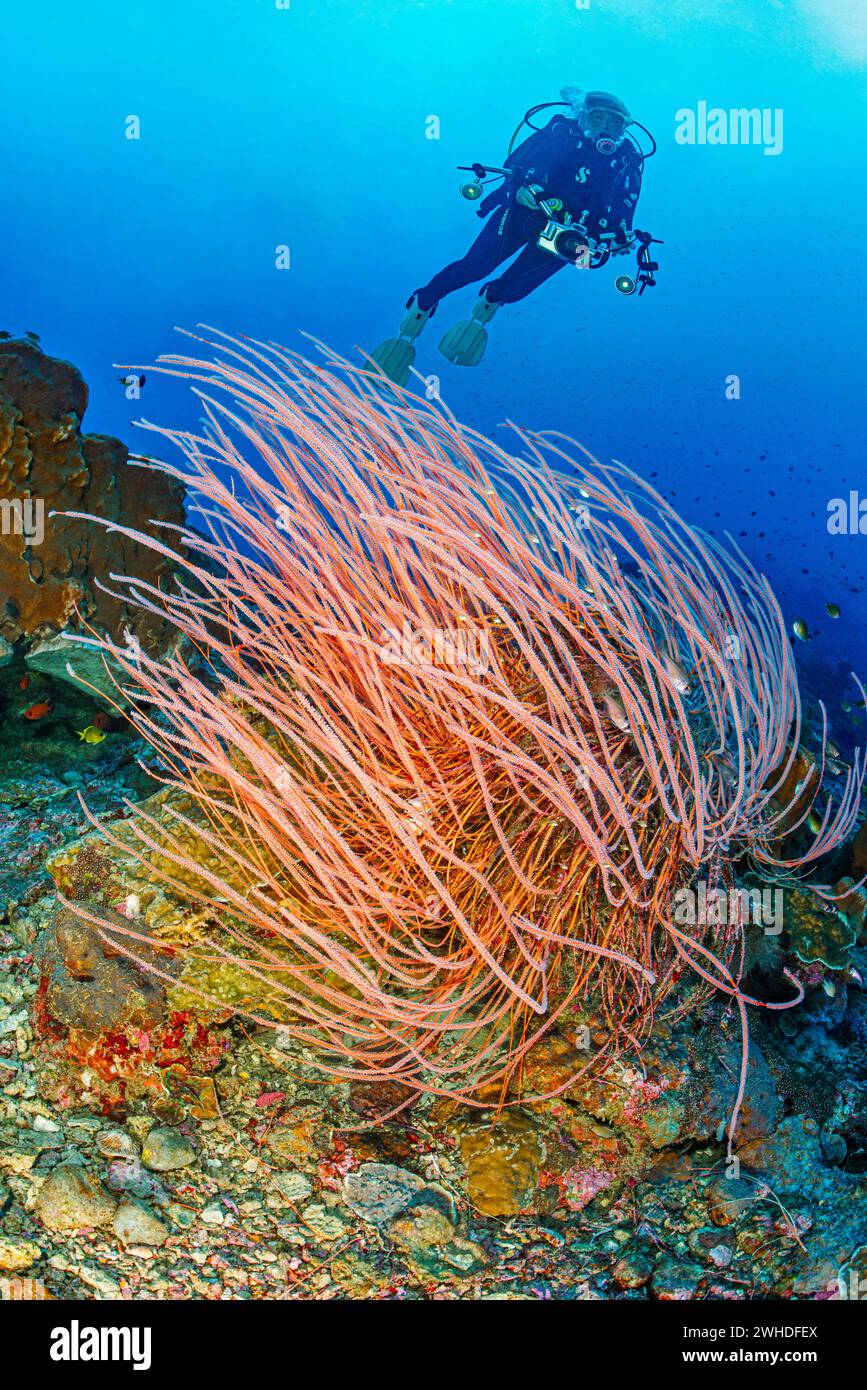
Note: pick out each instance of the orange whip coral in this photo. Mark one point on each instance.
(466, 720)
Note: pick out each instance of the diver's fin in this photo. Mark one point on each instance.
(395, 358)
(465, 343)
(414, 319)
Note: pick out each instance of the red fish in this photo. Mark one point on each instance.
(24, 682)
(39, 710)
(103, 721)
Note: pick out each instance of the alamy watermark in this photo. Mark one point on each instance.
(849, 1284)
(714, 125)
(23, 516)
(77, 1343)
(720, 907)
(847, 516)
(465, 647)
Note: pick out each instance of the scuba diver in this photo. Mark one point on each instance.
(566, 196)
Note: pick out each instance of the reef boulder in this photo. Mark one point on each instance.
(50, 564)
(107, 1031)
(89, 987)
(72, 1199)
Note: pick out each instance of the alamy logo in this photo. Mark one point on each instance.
(849, 1284)
(23, 517)
(847, 516)
(737, 126)
(22, 1288)
(720, 907)
(77, 1343)
(467, 647)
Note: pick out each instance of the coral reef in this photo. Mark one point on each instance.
(108, 1029)
(470, 723)
(153, 1145)
(818, 932)
(50, 563)
(252, 1179)
(88, 988)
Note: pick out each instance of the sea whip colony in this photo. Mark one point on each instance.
(466, 721)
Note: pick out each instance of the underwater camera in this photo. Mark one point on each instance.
(565, 242)
(570, 243)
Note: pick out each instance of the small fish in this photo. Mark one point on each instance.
(102, 720)
(676, 673)
(34, 337)
(833, 610)
(24, 682)
(799, 627)
(38, 711)
(832, 749)
(814, 823)
(133, 380)
(90, 735)
(616, 712)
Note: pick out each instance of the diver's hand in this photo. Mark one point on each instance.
(528, 195)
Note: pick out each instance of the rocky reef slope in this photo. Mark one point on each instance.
(151, 1149)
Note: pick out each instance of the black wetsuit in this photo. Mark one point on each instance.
(568, 166)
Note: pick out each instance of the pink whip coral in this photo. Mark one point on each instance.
(457, 723)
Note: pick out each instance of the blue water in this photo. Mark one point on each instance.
(307, 126)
